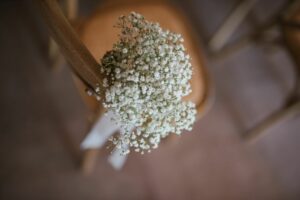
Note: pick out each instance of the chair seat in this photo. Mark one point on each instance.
(98, 34)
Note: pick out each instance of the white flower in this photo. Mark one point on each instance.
(147, 74)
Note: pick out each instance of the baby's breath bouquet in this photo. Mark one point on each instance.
(146, 75)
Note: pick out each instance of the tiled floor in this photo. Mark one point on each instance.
(41, 108)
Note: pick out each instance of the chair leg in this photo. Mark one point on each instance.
(89, 160)
(275, 119)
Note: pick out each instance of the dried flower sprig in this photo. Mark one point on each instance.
(147, 74)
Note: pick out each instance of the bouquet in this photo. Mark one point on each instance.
(147, 74)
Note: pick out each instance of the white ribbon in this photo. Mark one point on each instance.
(101, 131)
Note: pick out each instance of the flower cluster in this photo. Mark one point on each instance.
(147, 74)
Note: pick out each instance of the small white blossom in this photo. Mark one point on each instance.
(124, 50)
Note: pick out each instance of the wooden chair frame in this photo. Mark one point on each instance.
(86, 67)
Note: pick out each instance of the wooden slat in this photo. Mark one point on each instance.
(82, 62)
(272, 121)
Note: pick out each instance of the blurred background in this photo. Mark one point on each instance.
(246, 146)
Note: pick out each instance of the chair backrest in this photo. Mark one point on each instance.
(81, 61)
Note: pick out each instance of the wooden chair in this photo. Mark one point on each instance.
(290, 27)
(96, 35)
